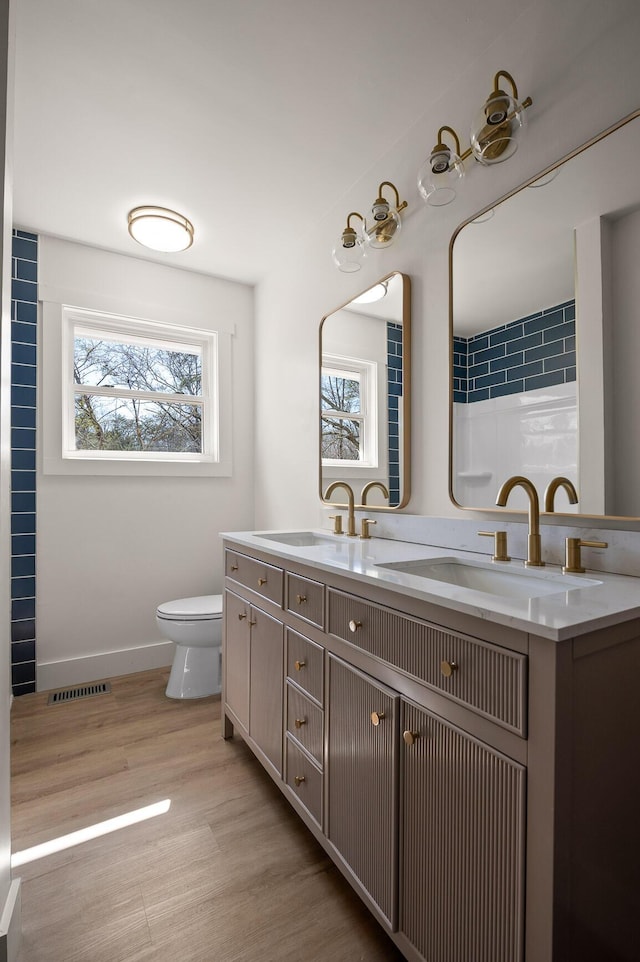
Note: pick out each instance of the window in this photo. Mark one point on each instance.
(136, 396)
(348, 408)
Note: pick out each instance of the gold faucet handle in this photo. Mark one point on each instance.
(572, 559)
(337, 523)
(364, 527)
(499, 546)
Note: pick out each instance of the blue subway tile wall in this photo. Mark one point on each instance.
(394, 385)
(533, 352)
(24, 310)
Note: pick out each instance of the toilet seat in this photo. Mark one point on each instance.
(202, 608)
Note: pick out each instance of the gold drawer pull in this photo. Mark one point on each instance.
(299, 665)
(299, 779)
(242, 616)
(376, 717)
(410, 737)
(299, 722)
(261, 582)
(354, 625)
(448, 667)
(234, 567)
(301, 599)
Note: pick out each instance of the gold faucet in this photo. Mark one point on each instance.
(373, 484)
(553, 486)
(534, 544)
(351, 517)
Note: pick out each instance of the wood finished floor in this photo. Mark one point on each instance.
(229, 874)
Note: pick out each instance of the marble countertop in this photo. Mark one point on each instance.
(582, 603)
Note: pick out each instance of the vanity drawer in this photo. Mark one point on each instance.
(305, 664)
(486, 678)
(305, 598)
(305, 780)
(266, 580)
(305, 722)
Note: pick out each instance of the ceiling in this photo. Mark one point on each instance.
(251, 117)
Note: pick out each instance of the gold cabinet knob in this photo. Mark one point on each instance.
(299, 779)
(354, 625)
(261, 582)
(252, 623)
(234, 567)
(447, 668)
(376, 717)
(301, 599)
(242, 616)
(299, 722)
(299, 665)
(410, 737)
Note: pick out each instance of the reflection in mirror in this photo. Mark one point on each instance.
(364, 395)
(545, 314)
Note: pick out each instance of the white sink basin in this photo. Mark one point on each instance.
(297, 539)
(487, 577)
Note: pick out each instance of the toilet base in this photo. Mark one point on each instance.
(195, 672)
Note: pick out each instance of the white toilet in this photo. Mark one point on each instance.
(195, 625)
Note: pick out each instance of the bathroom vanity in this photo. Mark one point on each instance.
(467, 759)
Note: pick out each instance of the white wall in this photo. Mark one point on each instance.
(9, 890)
(534, 433)
(110, 549)
(625, 328)
(578, 60)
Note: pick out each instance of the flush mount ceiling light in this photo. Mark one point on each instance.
(375, 293)
(160, 229)
(495, 137)
(378, 233)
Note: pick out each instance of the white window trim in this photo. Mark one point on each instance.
(368, 415)
(56, 383)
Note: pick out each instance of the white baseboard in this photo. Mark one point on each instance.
(108, 664)
(11, 924)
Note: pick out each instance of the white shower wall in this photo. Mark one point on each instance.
(534, 433)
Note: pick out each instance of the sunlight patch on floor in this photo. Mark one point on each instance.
(86, 834)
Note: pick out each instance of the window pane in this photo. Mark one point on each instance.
(340, 439)
(340, 393)
(136, 367)
(116, 424)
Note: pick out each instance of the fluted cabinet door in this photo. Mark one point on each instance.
(362, 776)
(267, 683)
(462, 846)
(236, 656)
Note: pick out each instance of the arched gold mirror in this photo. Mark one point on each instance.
(365, 384)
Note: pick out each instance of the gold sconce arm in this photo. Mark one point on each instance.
(400, 205)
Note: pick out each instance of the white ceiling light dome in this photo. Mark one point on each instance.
(160, 229)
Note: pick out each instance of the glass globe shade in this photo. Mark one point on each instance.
(348, 259)
(437, 183)
(380, 234)
(497, 129)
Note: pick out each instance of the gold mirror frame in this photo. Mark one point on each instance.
(550, 170)
(405, 406)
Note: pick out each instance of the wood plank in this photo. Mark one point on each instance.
(229, 874)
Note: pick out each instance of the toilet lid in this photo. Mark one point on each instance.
(195, 609)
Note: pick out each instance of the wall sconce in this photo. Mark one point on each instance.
(350, 251)
(495, 136)
(378, 233)
(160, 229)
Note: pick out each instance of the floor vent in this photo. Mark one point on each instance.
(71, 694)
